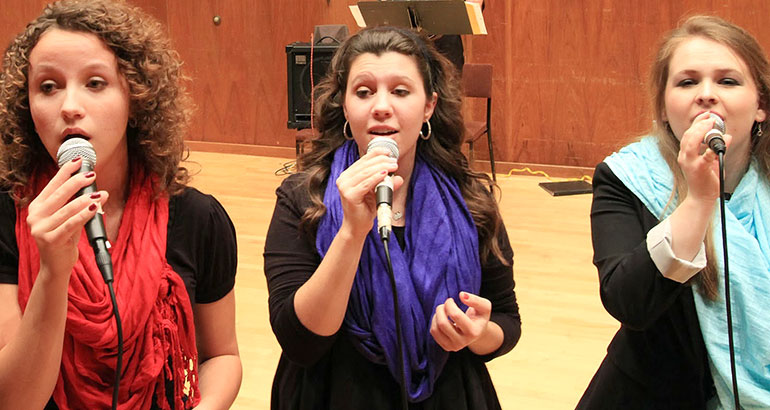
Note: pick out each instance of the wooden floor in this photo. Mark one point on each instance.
(565, 330)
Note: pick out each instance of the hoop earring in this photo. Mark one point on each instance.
(430, 131)
(345, 130)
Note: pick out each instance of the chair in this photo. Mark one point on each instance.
(477, 83)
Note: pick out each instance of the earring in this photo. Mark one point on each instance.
(430, 131)
(345, 131)
(759, 129)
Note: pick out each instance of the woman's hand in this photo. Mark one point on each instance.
(699, 163)
(356, 185)
(56, 223)
(454, 329)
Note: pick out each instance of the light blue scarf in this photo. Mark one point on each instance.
(643, 170)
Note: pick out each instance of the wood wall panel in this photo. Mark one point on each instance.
(239, 67)
(569, 76)
(14, 16)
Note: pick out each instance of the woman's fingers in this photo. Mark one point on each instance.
(482, 307)
(62, 175)
(692, 139)
(368, 171)
(68, 220)
(454, 329)
(356, 187)
(58, 191)
(442, 330)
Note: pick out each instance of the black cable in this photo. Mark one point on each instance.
(119, 325)
(727, 279)
(404, 400)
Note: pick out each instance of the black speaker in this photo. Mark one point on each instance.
(298, 76)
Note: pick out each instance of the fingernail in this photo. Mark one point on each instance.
(92, 207)
(465, 296)
(383, 172)
(90, 174)
(76, 159)
(96, 195)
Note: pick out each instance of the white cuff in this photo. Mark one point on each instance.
(671, 267)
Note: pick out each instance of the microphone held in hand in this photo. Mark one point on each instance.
(97, 235)
(384, 190)
(715, 137)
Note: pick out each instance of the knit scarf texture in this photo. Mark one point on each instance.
(440, 259)
(643, 170)
(156, 313)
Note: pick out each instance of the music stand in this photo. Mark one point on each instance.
(432, 16)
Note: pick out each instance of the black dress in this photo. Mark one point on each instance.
(201, 247)
(318, 372)
(657, 360)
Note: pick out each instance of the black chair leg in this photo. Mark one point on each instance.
(491, 157)
(470, 154)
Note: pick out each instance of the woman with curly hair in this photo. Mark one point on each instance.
(330, 298)
(104, 71)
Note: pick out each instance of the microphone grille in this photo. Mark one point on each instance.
(76, 147)
(719, 123)
(384, 142)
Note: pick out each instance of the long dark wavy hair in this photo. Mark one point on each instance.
(160, 108)
(748, 49)
(442, 149)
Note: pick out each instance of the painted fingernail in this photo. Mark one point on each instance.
(76, 159)
(90, 174)
(465, 296)
(92, 207)
(383, 172)
(96, 195)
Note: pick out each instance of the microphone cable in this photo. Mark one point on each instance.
(119, 326)
(397, 317)
(731, 343)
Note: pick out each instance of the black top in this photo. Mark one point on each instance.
(318, 372)
(201, 247)
(657, 360)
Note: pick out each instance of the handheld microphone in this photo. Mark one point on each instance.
(714, 138)
(384, 190)
(97, 235)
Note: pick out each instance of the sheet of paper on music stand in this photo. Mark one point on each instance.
(476, 18)
(433, 16)
(356, 12)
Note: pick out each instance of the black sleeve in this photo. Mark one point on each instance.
(497, 285)
(9, 252)
(290, 260)
(201, 245)
(631, 287)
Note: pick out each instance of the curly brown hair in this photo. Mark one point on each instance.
(160, 108)
(748, 49)
(443, 149)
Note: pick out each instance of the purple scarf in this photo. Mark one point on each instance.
(441, 258)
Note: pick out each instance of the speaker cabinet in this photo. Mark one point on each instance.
(298, 76)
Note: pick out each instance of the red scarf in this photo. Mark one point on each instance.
(154, 308)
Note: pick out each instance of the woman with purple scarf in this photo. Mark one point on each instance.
(331, 300)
